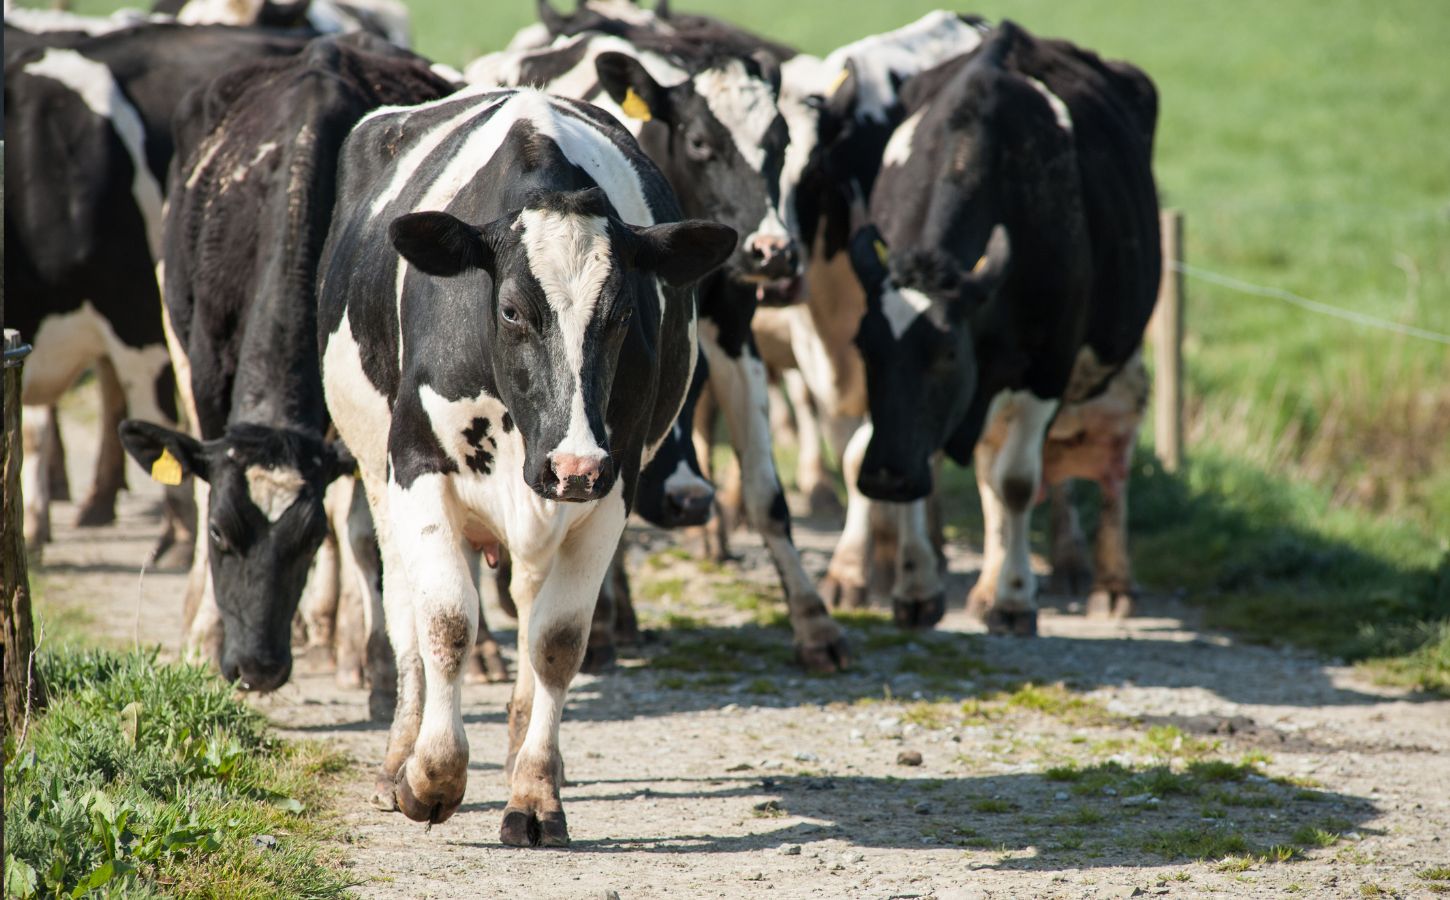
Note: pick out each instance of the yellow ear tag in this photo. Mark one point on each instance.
(634, 106)
(840, 80)
(881, 253)
(166, 469)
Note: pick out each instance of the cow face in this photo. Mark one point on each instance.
(921, 363)
(721, 141)
(265, 522)
(566, 277)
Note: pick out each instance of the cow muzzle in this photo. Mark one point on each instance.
(772, 256)
(893, 486)
(256, 674)
(575, 478)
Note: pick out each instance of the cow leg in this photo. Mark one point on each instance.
(431, 599)
(1071, 573)
(362, 568)
(1013, 474)
(38, 446)
(600, 654)
(626, 623)
(918, 599)
(99, 507)
(59, 479)
(558, 632)
(714, 535)
(984, 592)
(1112, 593)
(812, 478)
(485, 663)
(739, 383)
(321, 597)
(844, 583)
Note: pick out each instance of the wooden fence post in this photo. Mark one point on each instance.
(1166, 330)
(23, 693)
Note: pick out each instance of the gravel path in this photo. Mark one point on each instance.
(705, 766)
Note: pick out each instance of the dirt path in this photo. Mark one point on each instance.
(708, 767)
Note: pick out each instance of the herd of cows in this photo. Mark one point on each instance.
(412, 320)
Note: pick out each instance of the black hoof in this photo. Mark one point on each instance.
(915, 612)
(598, 659)
(522, 828)
(1019, 622)
(824, 659)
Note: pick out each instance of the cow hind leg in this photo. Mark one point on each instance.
(485, 664)
(318, 610)
(38, 447)
(1071, 573)
(844, 584)
(1113, 594)
(812, 478)
(99, 507)
(59, 478)
(739, 384)
(600, 654)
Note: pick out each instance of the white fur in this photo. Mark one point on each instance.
(1018, 458)
(570, 258)
(901, 306)
(1059, 109)
(932, 39)
(95, 85)
(220, 12)
(273, 491)
(743, 103)
(898, 149)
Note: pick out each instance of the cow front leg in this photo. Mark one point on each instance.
(558, 631)
(918, 599)
(739, 384)
(844, 584)
(433, 559)
(1071, 574)
(485, 663)
(318, 611)
(38, 445)
(1013, 474)
(812, 478)
(1113, 593)
(99, 507)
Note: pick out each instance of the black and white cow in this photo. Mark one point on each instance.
(251, 199)
(708, 117)
(1018, 209)
(500, 379)
(88, 125)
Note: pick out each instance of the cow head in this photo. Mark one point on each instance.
(720, 140)
(264, 524)
(921, 363)
(566, 278)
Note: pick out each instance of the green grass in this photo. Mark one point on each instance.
(142, 779)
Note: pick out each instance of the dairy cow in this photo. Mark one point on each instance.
(1014, 269)
(507, 320)
(250, 202)
(706, 113)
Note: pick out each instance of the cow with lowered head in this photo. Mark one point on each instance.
(1015, 268)
(251, 200)
(507, 318)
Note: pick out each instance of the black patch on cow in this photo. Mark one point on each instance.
(508, 423)
(480, 460)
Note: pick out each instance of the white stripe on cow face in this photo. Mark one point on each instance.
(97, 88)
(898, 149)
(901, 306)
(273, 491)
(569, 256)
(1059, 109)
(744, 104)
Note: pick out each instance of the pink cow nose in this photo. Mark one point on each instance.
(577, 476)
(775, 255)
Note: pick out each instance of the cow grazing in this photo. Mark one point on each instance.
(250, 202)
(501, 378)
(1018, 210)
(707, 116)
(88, 120)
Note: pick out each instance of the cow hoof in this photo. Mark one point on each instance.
(381, 704)
(598, 658)
(824, 504)
(524, 828)
(824, 659)
(917, 612)
(1019, 622)
(316, 659)
(349, 677)
(838, 595)
(1104, 603)
(979, 605)
(486, 665)
(382, 797)
(94, 514)
(434, 805)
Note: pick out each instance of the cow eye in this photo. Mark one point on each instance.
(218, 539)
(698, 147)
(624, 316)
(510, 314)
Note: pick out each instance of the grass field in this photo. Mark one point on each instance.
(1305, 142)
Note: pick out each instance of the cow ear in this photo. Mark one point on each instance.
(340, 461)
(868, 258)
(682, 253)
(842, 94)
(991, 269)
(168, 455)
(769, 68)
(627, 82)
(439, 244)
